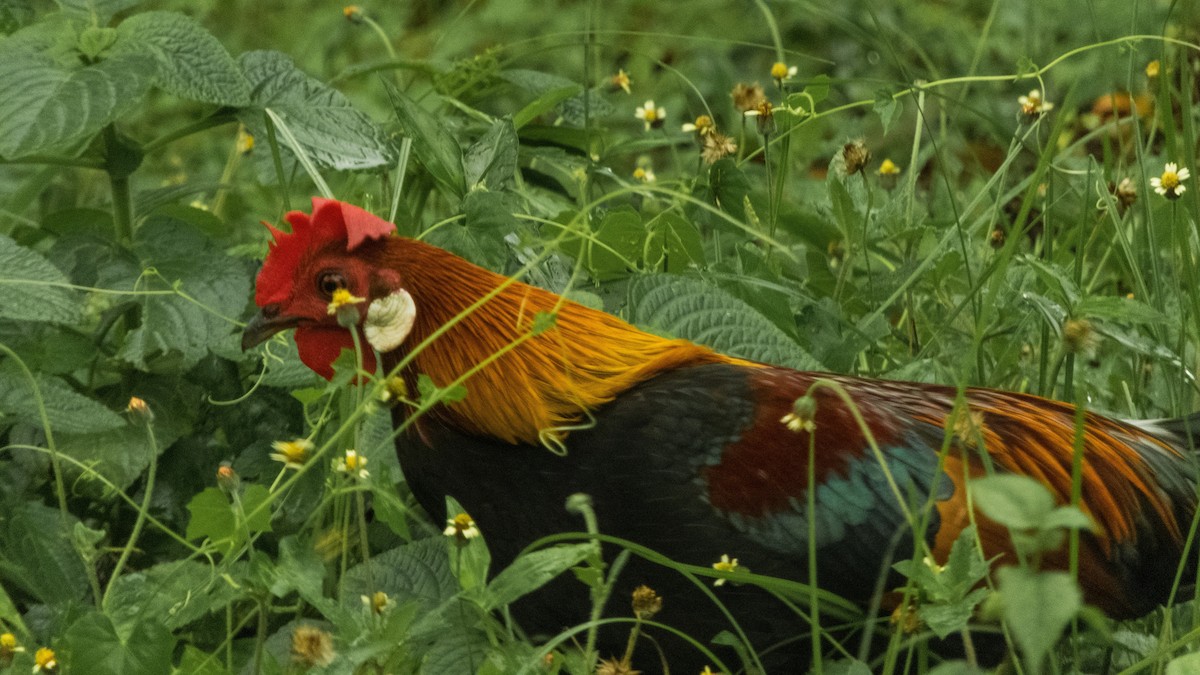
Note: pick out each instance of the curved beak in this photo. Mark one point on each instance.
(264, 324)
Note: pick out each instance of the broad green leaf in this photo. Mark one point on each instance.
(693, 309)
(37, 556)
(491, 162)
(174, 593)
(99, 11)
(196, 662)
(330, 130)
(616, 245)
(67, 410)
(200, 289)
(33, 288)
(15, 14)
(674, 244)
(418, 572)
(1037, 608)
(1019, 502)
(730, 188)
(212, 516)
(544, 103)
(1188, 664)
(458, 650)
(1119, 309)
(533, 570)
(49, 106)
(481, 236)
(435, 147)
(216, 517)
(99, 649)
(190, 62)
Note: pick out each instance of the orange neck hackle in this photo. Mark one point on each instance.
(544, 384)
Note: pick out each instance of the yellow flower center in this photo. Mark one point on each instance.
(888, 168)
(463, 522)
(353, 461)
(1152, 68)
(779, 70)
(45, 658)
(342, 298)
(292, 452)
(725, 564)
(1169, 180)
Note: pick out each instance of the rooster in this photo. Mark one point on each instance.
(700, 455)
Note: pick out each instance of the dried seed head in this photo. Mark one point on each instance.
(646, 603)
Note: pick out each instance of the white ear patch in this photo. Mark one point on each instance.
(390, 320)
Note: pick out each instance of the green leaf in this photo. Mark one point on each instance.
(480, 238)
(674, 244)
(256, 502)
(1119, 309)
(201, 289)
(1188, 664)
(9, 615)
(212, 516)
(94, 645)
(533, 570)
(97, 11)
(429, 390)
(418, 572)
(888, 108)
(190, 62)
(67, 410)
(1037, 608)
(695, 310)
(491, 162)
(544, 103)
(435, 146)
(1019, 502)
(329, 129)
(51, 106)
(33, 288)
(174, 593)
(818, 87)
(196, 662)
(37, 555)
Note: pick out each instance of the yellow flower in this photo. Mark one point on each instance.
(621, 81)
(8, 647)
(342, 298)
(312, 646)
(725, 564)
(709, 671)
(378, 602)
(644, 175)
(461, 527)
(703, 126)
(227, 478)
(293, 454)
(44, 660)
(888, 168)
(1170, 183)
(352, 464)
(353, 13)
(651, 115)
(1033, 105)
(245, 141)
(1152, 68)
(781, 71)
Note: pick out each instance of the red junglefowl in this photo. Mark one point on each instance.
(688, 452)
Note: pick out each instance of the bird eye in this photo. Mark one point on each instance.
(328, 282)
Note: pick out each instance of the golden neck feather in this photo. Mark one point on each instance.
(538, 389)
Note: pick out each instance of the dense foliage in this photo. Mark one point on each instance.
(935, 191)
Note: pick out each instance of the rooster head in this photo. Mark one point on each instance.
(323, 279)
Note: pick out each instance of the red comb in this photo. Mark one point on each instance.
(331, 221)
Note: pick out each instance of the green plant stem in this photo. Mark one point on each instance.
(383, 36)
(143, 512)
(122, 197)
